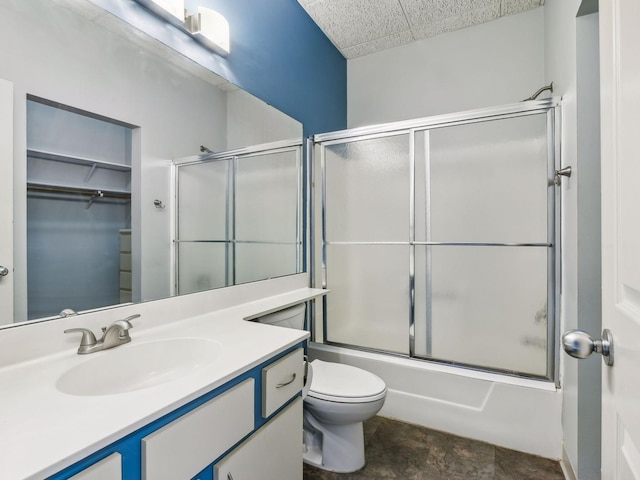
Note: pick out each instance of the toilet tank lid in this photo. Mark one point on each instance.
(339, 380)
(282, 315)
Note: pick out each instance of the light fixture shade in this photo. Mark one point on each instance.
(211, 28)
(171, 10)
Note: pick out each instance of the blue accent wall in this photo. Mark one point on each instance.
(281, 56)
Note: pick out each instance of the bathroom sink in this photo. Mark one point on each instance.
(138, 365)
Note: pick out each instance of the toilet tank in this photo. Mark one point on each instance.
(292, 317)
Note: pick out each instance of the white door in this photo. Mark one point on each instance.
(6, 202)
(620, 97)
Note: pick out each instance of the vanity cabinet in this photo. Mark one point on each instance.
(248, 428)
(187, 445)
(281, 380)
(271, 453)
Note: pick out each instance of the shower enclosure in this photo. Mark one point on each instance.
(438, 239)
(238, 216)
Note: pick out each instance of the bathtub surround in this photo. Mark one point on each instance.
(387, 297)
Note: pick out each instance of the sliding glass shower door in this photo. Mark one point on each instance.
(365, 241)
(439, 238)
(238, 216)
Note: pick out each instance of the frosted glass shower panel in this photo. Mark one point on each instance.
(257, 261)
(202, 266)
(488, 307)
(266, 197)
(487, 181)
(203, 207)
(369, 301)
(362, 181)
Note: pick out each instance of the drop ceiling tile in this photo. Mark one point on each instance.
(422, 12)
(510, 7)
(352, 22)
(378, 44)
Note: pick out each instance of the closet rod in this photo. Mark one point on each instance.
(78, 191)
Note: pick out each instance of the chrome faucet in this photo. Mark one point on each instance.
(115, 334)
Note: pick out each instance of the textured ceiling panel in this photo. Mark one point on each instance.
(351, 22)
(421, 12)
(361, 27)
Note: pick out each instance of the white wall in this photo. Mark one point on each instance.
(560, 66)
(492, 64)
(581, 223)
(253, 122)
(589, 245)
(60, 56)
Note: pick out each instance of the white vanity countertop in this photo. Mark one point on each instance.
(43, 430)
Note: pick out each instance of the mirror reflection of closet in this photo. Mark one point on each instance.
(78, 209)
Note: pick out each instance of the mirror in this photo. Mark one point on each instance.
(92, 72)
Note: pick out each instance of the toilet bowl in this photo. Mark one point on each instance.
(339, 398)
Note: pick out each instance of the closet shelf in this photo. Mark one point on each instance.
(57, 157)
(91, 192)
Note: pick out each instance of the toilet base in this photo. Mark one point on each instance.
(336, 448)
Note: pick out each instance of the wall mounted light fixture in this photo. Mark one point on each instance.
(211, 28)
(170, 10)
(207, 26)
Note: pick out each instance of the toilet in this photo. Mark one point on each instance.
(337, 399)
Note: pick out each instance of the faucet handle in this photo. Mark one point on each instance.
(88, 338)
(125, 323)
(123, 326)
(131, 317)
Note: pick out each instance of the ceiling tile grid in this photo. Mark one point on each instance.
(362, 27)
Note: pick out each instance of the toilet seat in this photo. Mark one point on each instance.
(336, 382)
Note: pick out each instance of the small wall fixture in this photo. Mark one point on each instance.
(211, 28)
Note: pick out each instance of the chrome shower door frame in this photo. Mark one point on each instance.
(232, 157)
(552, 109)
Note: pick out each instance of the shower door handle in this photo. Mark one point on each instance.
(4, 271)
(580, 344)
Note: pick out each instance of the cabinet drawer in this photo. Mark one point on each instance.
(272, 453)
(109, 468)
(281, 380)
(184, 447)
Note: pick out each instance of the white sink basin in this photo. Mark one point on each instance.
(135, 366)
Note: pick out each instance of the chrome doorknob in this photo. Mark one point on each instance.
(4, 271)
(580, 344)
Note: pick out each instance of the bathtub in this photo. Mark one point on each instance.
(512, 412)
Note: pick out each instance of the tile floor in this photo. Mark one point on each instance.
(397, 450)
